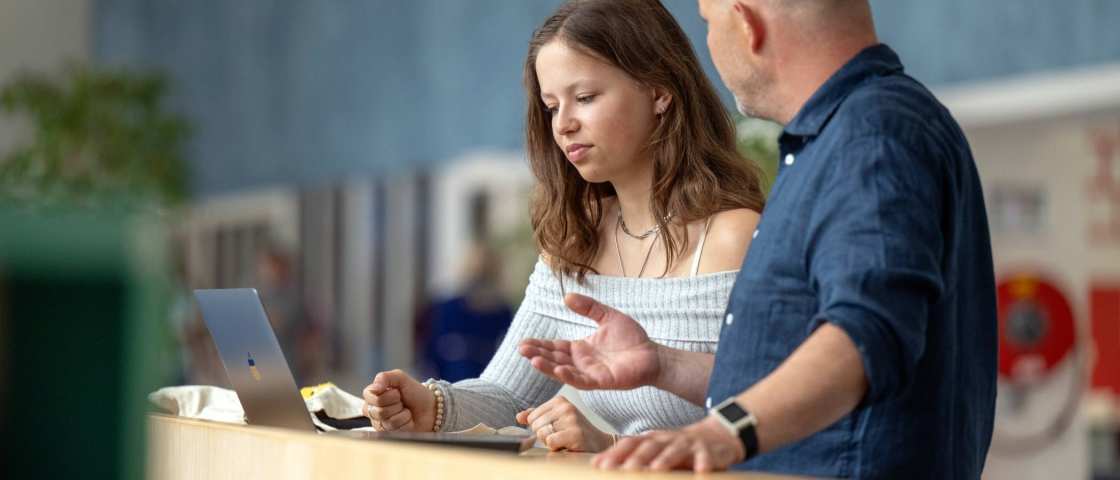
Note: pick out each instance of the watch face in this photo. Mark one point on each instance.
(732, 412)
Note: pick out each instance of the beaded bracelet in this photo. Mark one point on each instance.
(439, 405)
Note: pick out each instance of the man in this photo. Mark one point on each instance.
(860, 337)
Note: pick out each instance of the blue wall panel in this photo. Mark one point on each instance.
(952, 41)
(306, 91)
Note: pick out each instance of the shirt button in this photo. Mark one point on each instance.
(730, 318)
(708, 403)
(755, 234)
(789, 159)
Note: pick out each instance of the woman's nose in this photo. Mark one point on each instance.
(566, 123)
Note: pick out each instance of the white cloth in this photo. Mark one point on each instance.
(201, 402)
(222, 405)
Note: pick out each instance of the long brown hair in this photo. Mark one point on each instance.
(697, 170)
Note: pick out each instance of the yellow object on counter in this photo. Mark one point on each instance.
(309, 392)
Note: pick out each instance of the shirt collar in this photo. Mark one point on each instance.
(817, 111)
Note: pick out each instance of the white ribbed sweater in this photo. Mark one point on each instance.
(678, 312)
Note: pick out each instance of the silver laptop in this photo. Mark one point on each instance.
(252, 357)
(259, 373)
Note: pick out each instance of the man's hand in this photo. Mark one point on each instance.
(702, 447)
(619, 356)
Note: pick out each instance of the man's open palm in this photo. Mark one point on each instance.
(619, 356)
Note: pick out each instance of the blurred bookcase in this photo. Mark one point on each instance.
(82, 304)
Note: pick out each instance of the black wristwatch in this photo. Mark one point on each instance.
(740, 423)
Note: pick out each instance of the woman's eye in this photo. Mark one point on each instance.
(585, 98)
(550, 110)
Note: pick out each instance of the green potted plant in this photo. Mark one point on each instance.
(99, 138)
(758, 141)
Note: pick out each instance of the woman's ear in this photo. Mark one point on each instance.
(661, 100)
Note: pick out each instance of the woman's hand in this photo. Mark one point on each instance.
(396, 401)
(561, 426)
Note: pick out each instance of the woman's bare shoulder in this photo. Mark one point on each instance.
(729, 236)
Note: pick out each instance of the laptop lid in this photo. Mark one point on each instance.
(252, 358)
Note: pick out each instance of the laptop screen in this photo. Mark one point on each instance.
(252, 358)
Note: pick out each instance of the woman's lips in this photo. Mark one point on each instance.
(577, 151)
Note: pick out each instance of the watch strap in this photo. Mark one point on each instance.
(740, 423)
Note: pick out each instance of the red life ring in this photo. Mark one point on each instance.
(1036, 327)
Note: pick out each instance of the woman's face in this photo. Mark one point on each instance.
(601, 117)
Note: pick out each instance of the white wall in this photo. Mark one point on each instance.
(39, 35)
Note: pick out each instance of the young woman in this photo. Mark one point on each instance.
(642, 202)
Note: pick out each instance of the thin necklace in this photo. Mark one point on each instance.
(655, 229)
(618, 250)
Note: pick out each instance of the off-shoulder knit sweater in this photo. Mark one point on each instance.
(679, 312)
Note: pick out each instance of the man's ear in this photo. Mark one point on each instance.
(750, 20)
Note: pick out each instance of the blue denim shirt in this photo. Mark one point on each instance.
(875, 224)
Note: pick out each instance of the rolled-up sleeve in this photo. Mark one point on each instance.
(873, 256)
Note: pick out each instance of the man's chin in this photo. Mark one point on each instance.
(745, 109)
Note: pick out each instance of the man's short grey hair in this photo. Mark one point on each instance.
(824, 13)
(813, 6)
